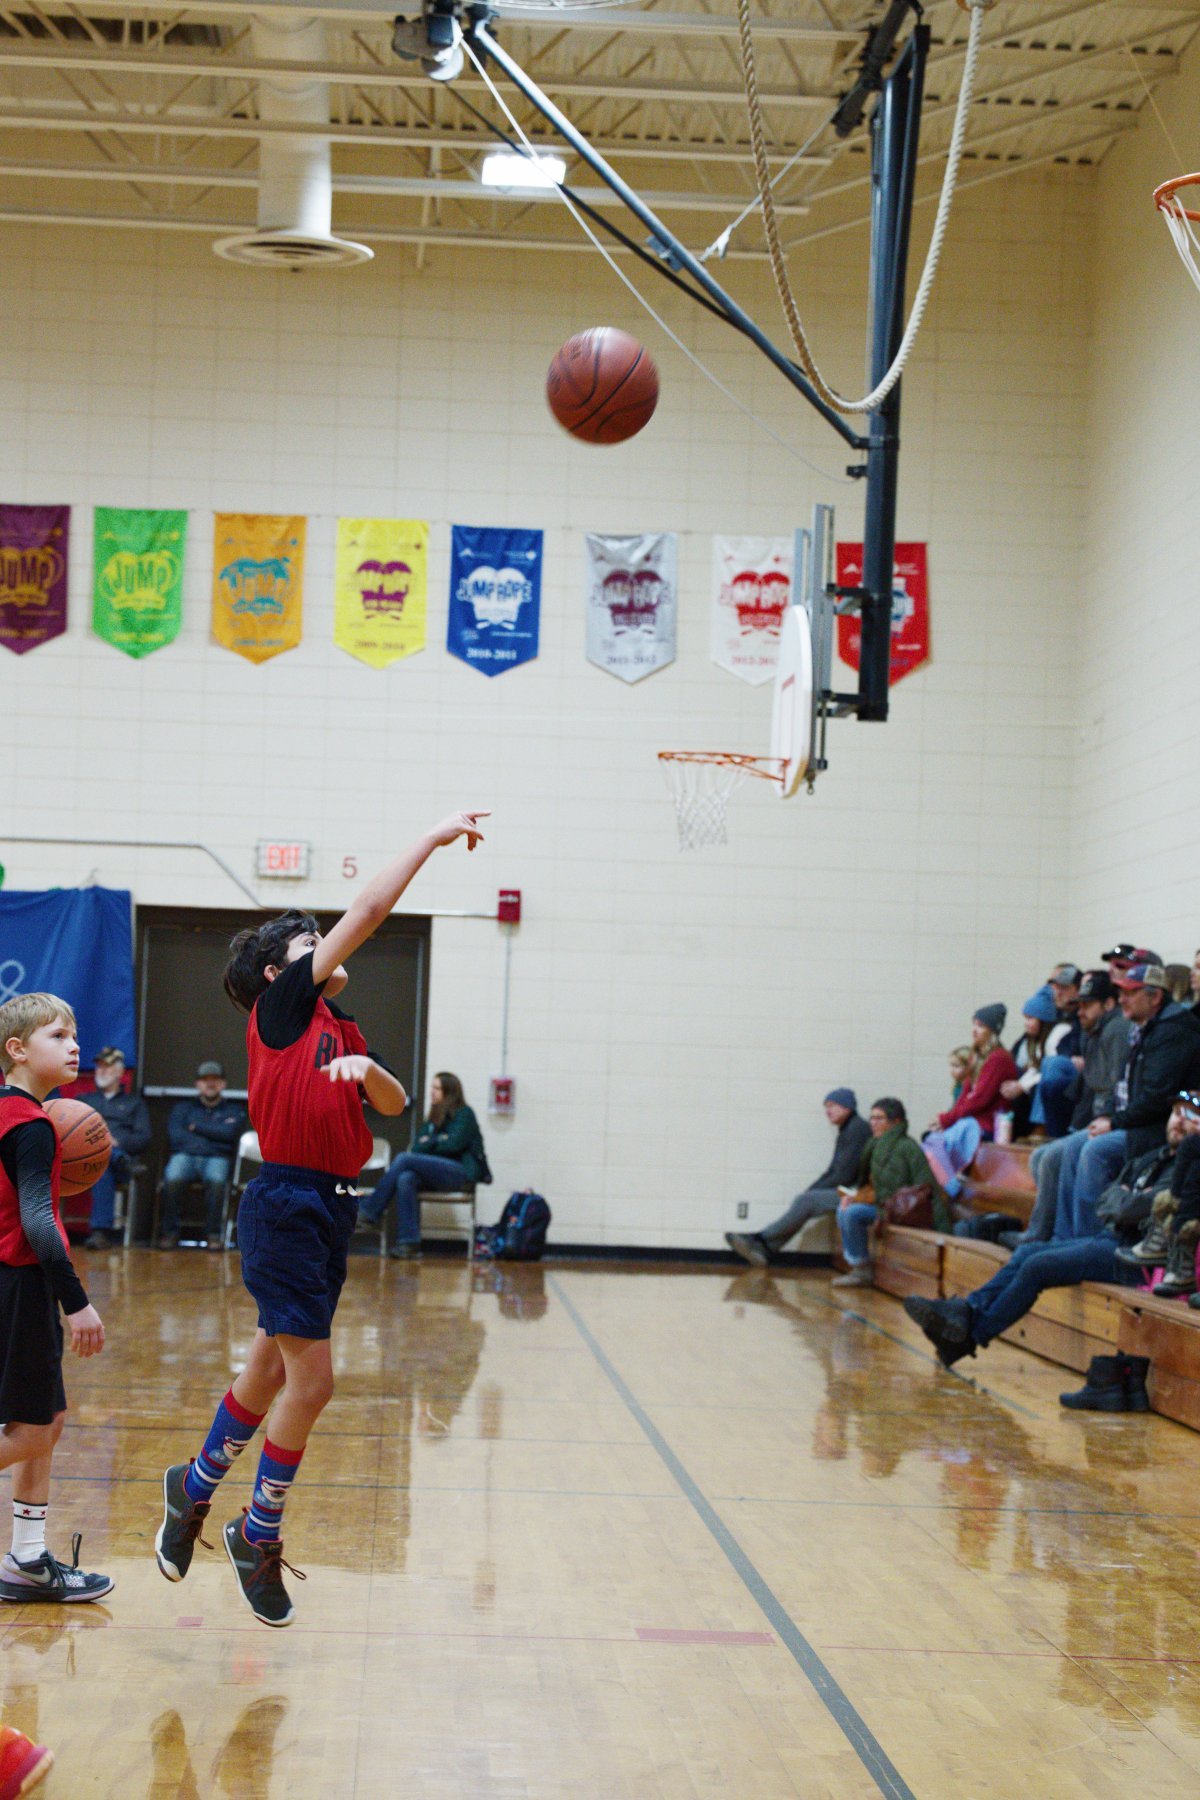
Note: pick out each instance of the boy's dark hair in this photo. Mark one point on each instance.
(251, 951)
(892, 1110)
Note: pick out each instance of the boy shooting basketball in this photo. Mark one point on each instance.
(309, 1072)
(38, 1052)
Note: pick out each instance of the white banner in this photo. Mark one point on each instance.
(632, 601)
(752, 582)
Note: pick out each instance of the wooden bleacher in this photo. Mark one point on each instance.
(1067, 1325)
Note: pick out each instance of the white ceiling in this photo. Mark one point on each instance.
(148, 115)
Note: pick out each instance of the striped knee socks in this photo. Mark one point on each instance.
(228, 1435)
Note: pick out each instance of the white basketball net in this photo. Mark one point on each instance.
(1183, 232)
(702, 783)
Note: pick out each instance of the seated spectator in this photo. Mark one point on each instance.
(128, 1122)
(1196, 982)
(1123, 956)
(962, 1070)
(961, 1326)
(202, 1135)
(1174, 1233)
(821, 1195)
(956, 1135)
(448, 1154)
(1043, 1033)
(891, 1160)
(1179, 982)
(1105, 1047)
(1163, 1059)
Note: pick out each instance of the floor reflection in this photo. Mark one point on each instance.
(242, 1766)
(1020, 1510)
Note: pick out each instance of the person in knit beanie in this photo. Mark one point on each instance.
(958, 1132)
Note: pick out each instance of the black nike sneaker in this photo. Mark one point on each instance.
(45, 1578)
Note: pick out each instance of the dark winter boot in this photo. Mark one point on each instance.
(1103, 1388)
(947, 1325)
(1151, 1253)
(1179, 1279)
(1135, 1370)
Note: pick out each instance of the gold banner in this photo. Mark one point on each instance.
(258, 580)
(379, 596)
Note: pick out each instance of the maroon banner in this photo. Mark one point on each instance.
(33, 575)
(910, 608)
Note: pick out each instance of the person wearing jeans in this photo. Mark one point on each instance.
(203, 1135)
(447, 1156)
(892, 1160)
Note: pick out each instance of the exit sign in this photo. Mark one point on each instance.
(280, 859)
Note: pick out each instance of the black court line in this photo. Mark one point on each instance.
(837, 1703)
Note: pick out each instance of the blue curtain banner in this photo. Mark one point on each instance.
(76, 943)
(495, 596)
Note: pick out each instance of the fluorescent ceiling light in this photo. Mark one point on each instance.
(510, 169)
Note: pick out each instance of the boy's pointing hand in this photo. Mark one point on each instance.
(462, 824)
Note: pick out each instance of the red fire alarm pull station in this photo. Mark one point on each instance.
(503, 1096)
(509, 910)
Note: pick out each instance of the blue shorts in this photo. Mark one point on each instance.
(294, 1227)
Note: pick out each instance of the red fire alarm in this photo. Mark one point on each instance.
(502, 1097)
(509, 910)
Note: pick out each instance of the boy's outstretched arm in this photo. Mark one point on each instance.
(367, 913)
(379, 1084)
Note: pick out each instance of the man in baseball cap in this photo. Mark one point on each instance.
(203, 1135)
(821, 1195)
(1123, 956)
(1163, 1057)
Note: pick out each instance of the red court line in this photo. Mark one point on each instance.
(642, 1634)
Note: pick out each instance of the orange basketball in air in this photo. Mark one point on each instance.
(86, 1143)
(602, 386)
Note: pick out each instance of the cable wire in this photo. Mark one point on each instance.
(869, 402)
(530, 150)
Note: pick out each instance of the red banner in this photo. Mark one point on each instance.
(910, 607)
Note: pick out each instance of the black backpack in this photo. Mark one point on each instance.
(520, 1233)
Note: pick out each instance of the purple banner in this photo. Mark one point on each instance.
(33, 575)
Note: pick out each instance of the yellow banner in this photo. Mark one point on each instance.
(258, 580)
(380, 588)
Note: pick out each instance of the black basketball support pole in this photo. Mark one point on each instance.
(894, 133)
(895, 129)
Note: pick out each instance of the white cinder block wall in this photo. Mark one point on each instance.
(1136, 861)
(675, 1020)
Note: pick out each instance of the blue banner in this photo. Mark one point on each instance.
(495, 596)
(76, 943)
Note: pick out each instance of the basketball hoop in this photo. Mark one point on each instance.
(703, 782)
(1181, 222)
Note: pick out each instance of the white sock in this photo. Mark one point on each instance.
(29, 1530)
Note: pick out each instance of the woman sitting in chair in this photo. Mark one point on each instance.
(448, 1156)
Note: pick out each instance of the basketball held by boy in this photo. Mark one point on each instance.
(39, 1051)
(310, 1071)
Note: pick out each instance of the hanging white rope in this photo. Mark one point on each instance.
(1181, 225)
(804, 355)
(531, 151)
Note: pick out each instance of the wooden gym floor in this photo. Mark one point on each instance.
(616, 1532)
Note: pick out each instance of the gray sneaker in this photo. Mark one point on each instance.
(749, 1246)
(861, 1275)
(183, 1523)
(259, 1569)
(45, 1578)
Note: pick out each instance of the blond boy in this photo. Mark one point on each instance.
(38, 1052)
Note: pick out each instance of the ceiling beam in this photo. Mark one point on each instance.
(459, 240)
(388, 187)
(541, 18)
(41, 116)
(174, 60)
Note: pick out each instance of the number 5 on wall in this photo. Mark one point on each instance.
(350, 868)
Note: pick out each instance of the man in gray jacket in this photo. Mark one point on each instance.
(1105, 1048)
(821, 1196)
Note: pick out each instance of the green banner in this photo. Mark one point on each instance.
(137, 593)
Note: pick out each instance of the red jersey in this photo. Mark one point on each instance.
(17, 1108)
(302, 1117)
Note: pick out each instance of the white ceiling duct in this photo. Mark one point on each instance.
(295, 180)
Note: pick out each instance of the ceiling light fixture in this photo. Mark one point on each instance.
(513, 171)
